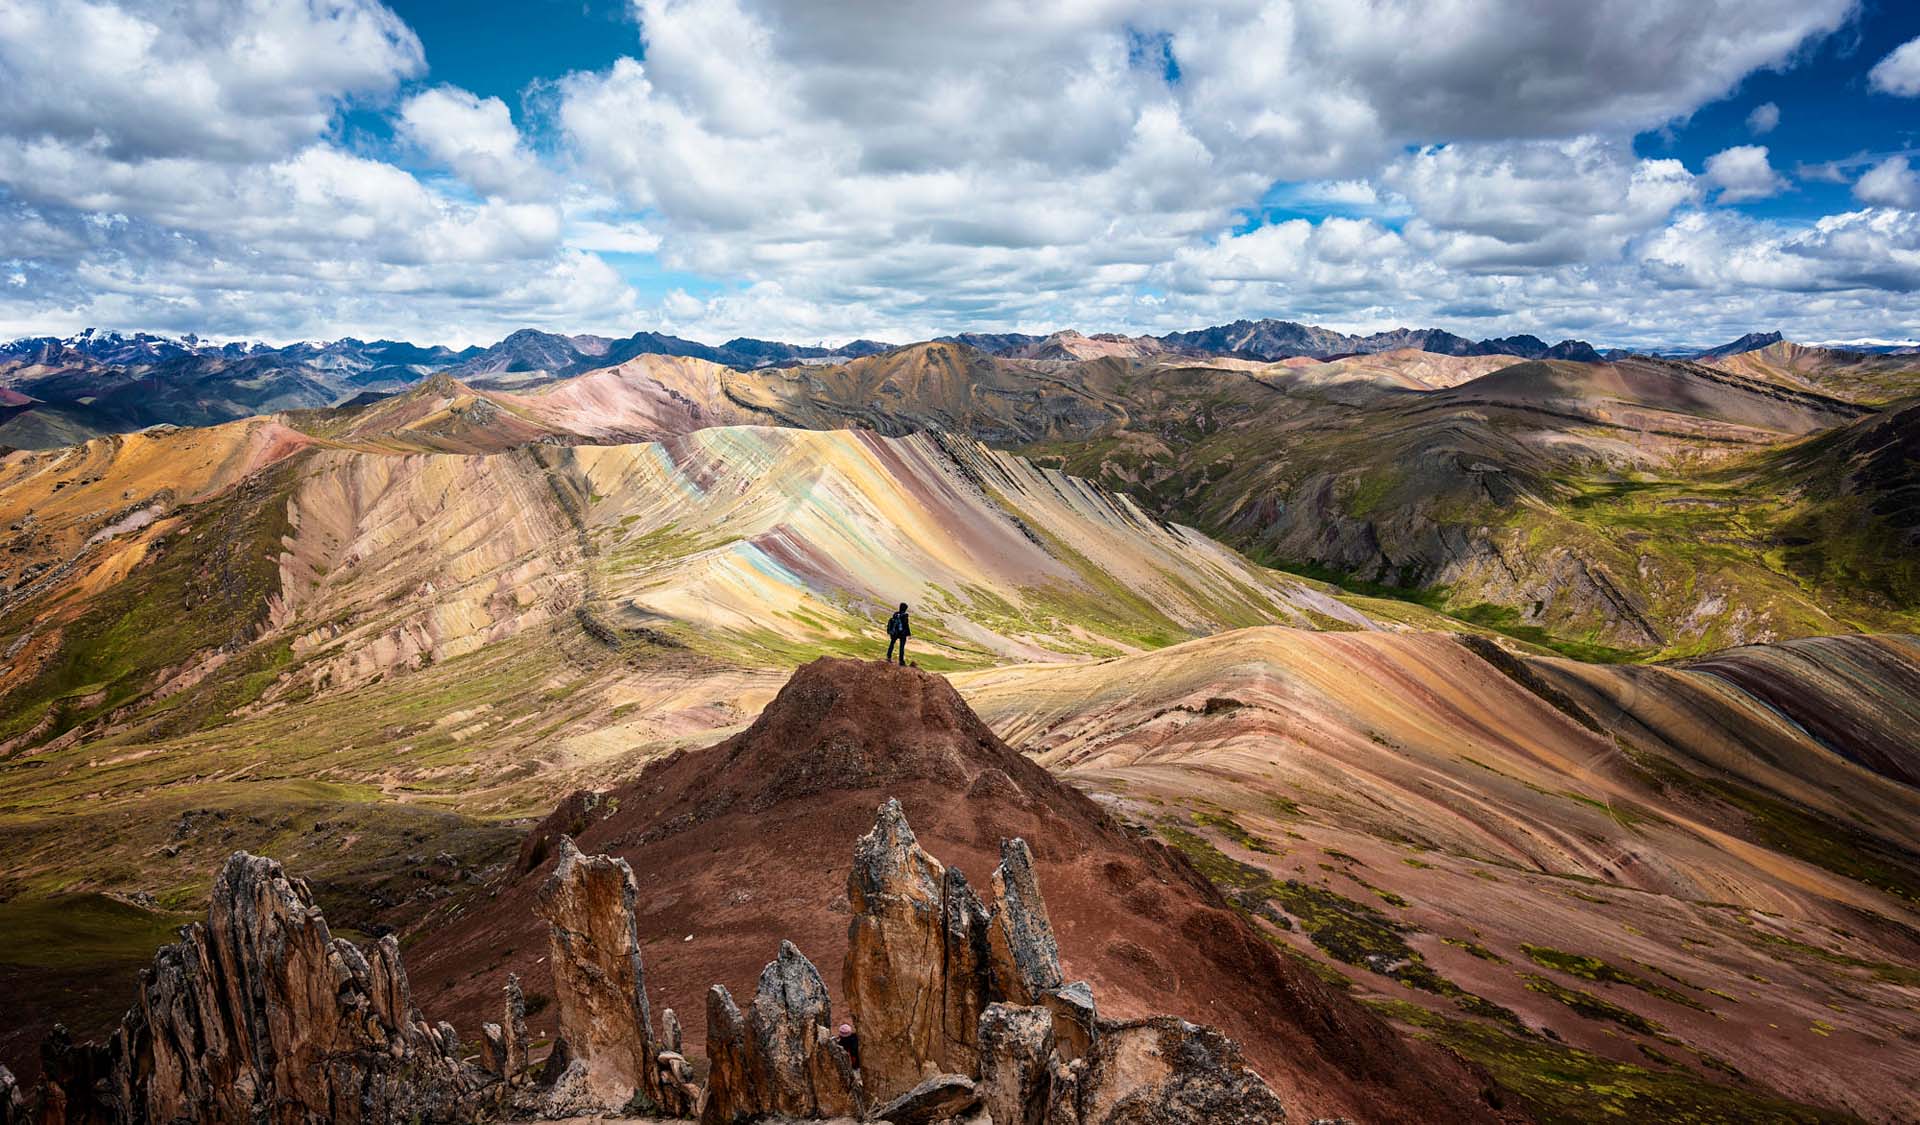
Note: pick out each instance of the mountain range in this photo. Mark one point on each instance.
(54, 391)
(1464, 734)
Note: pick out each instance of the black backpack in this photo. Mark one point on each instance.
(897, 625)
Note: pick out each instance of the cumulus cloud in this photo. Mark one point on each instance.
(1890, 183)
(475, 138)
(891, 171)
(1502, 206)
(217, 79)
(1844, 253)
(1743, 172)
(1764, 119)
(855, 156)
(1899, 72)
(180, 173)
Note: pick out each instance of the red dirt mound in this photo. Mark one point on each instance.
(740, 845)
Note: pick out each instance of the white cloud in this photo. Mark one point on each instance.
(1890, 183)
(1500, 207)
(1743, 172)
(213, 79)
(474, 137)
(172, 167)
(1764, 119)
(1856, 252)
(999, 160)
(1899, 72)
(901, 170)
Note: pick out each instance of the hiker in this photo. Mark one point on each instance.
(850, 1043)
(897, 633)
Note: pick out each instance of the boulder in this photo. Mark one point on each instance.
(940, 1098)
(1025, 956)
(1017, 1058)
(261, 1015)
(914, 975)
(598, 978)
(1166, 1071)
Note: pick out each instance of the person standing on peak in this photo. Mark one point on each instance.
(898, 630)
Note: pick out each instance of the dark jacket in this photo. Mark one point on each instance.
(897, 625)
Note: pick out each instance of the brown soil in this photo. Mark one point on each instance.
(740, 845)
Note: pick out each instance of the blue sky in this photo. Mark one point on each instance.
(449, 172)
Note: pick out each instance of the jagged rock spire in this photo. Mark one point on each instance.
(781, 1057)
(914, 976)
(260, 1014)
(1026, 958)
(598, 974)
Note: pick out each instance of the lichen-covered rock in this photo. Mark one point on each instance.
(914, 976)
(598, 978)
(788, 1007)
(493, 1050)
(1076, 1021)
(733, 1092)
(780, 1058)
(1017, 1058)
(967, 974)
(568, 1093)
(13, 1106)
(519, 1041)
(1025, 956)
(942, 1097)
(261, 1015)
(837, 1090)
(1166, 1071)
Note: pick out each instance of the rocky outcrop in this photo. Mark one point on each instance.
(599, 979)
(915, 971)
(1025, 956)
(1165, 1071)
(572, 816)
(1017, 1059)
(924, 958)
(261, 1015)
(733, 1088)
(600, 983)
(1160, 1071)
(781, 1057)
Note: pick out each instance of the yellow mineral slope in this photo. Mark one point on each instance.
(755, 546)
(1861, 377)
(77, 519)
(1404, 368)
